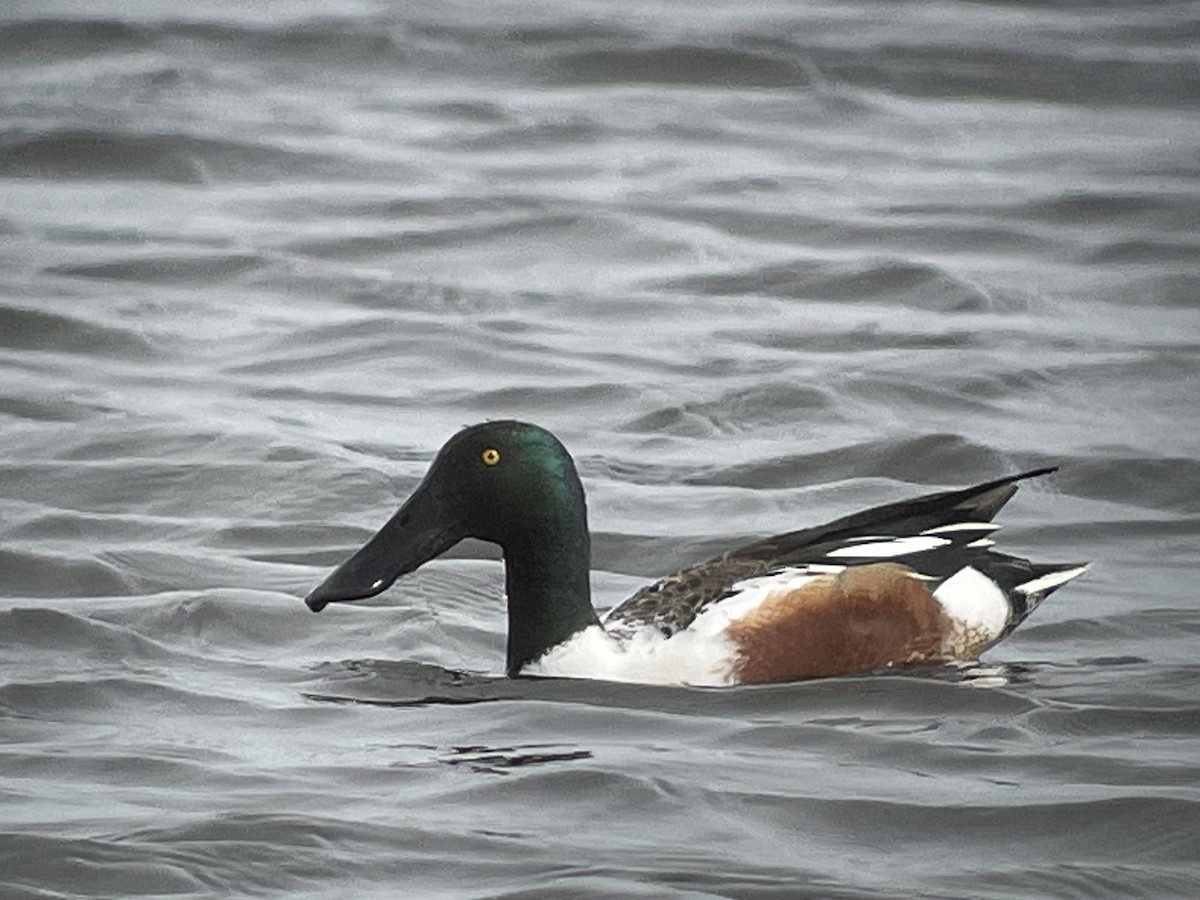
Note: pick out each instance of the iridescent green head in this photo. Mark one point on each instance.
(508, 482)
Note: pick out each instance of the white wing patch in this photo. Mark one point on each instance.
(889, 549)
(985, 527)
(787, 579)
(823, 569)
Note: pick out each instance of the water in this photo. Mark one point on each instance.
(757, 267)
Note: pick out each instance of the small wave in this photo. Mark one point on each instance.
(572, 31)
(541, 400)
(538, 135)
(1058, 878)
(232, 854)
(436, 209)
(952, 456)
(1168, 483)
(1071, 723)
(958, 70)
(57, 865)
(1088, 208)
(858, 340)
(1175, 27)
(680, 64)
(355, 345)
(738, 410)
(469, 111)
(47, 39)
(28, 329)
(919, 285)
(1149, 251)
(375, 244)
(50, 409)
(29, 574)
(1177, 289)
(92, 154)
(501, 760)
(186, 269)
(169, 158)
(73, 697)
(328, 41)
(374, 682)
(57, 631)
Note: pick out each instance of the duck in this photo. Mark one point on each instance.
(914, 583)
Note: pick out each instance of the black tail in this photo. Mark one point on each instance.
(981, 502)
(1025, 583)
(973, 504)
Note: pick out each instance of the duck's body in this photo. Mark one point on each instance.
(909, 583)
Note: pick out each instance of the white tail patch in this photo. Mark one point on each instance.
(975, 601)
(1052, 580)
(889, 549)
(981, 543)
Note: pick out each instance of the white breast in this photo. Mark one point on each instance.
(700, 654)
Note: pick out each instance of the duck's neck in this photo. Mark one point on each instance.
(546, 570)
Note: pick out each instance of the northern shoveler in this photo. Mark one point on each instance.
(909, 583)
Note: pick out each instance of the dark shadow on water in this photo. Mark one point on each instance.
(374, 682)
(406, 684)
(499, 760)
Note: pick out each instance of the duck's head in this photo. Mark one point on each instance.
(510, 483)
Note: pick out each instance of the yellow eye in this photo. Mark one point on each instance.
(490, 456)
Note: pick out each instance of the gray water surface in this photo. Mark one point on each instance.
(757, 266)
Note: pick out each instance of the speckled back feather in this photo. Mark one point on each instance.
(672, 603)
